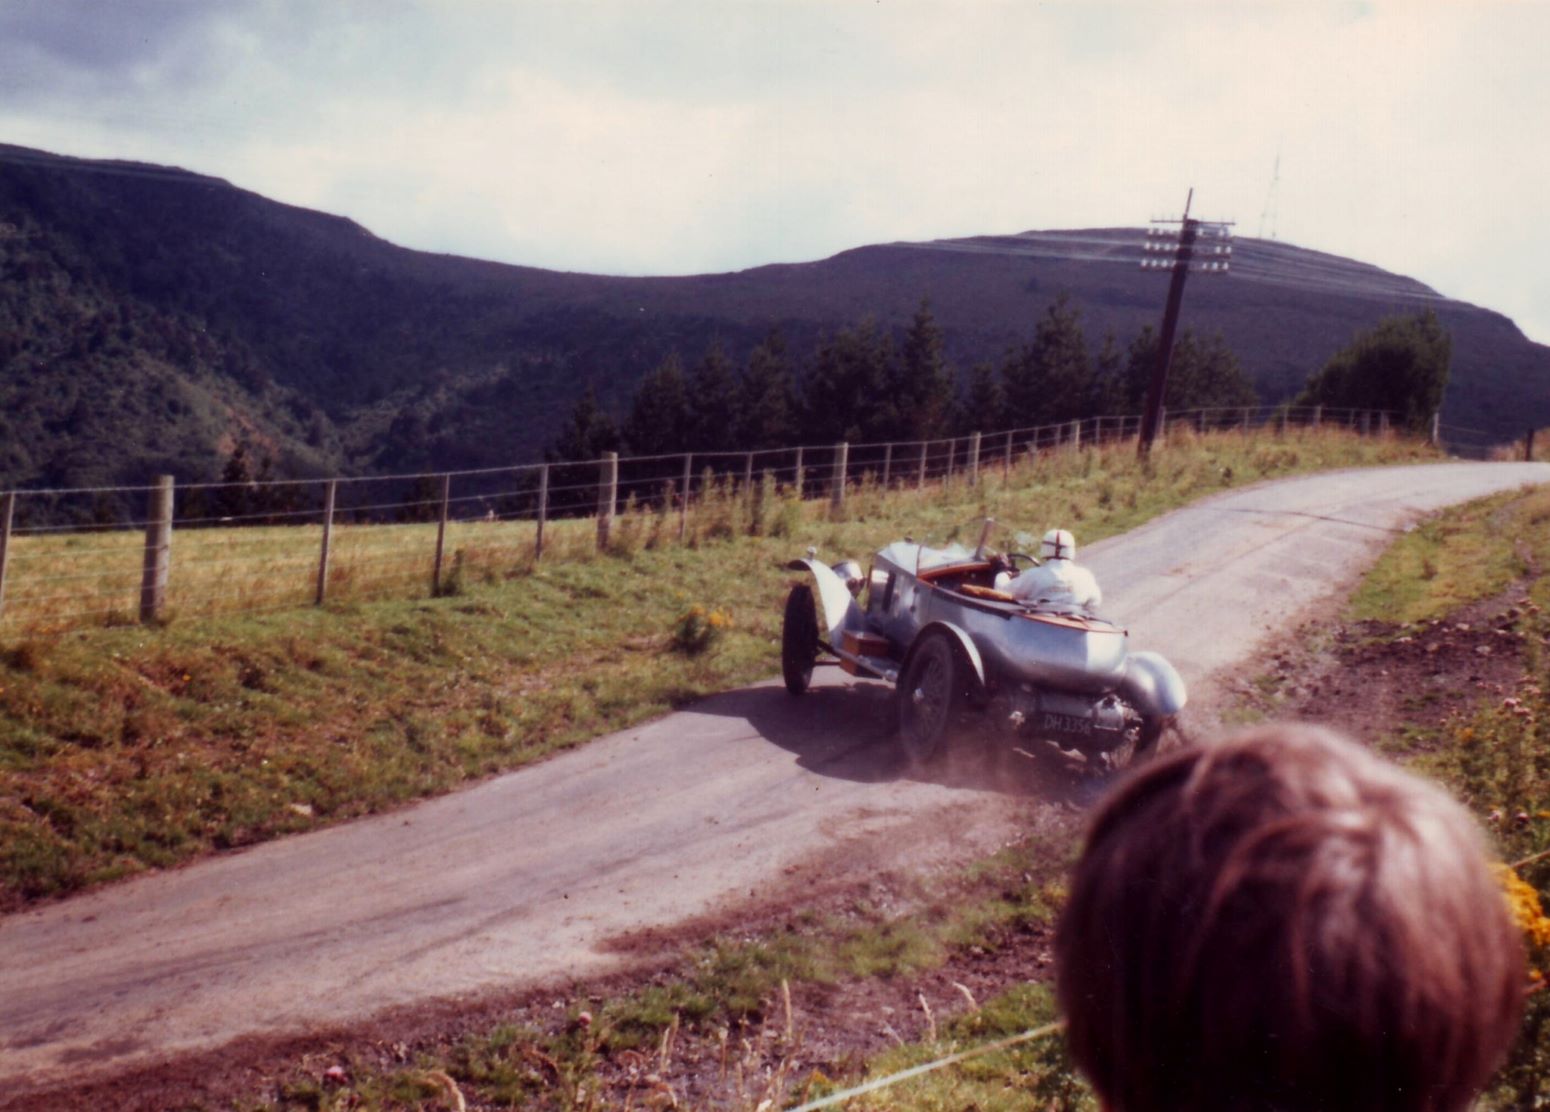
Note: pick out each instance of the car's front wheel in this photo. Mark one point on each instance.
(1140, 747)
(799, 639)
(930, 697)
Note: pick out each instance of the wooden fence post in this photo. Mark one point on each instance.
(7, 508)
(1436, 432)
(799, 475)
(748, 474)
(683, 501)
(543, 512)
(158, 550)
(1074, 442)
(1528, 454)
(920, 477)
(974, 458)
(841, 465)
(887, 465)
(607, 497)
(1318, 416)
(441, 534)
(1006, 460)
(328, 536)
(952, 458)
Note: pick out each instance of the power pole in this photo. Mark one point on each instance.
(1214, 261)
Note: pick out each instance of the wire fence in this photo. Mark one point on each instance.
(128, 554)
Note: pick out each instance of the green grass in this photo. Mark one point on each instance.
(1494, 756)
(1497, 759)
(1458, 556)
(1033, 1075)
(126, 748)
(731, 994)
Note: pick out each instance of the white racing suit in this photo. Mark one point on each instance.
(1058, 584)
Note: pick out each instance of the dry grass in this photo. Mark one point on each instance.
(60, 581)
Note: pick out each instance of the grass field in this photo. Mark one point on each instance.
(125, 747)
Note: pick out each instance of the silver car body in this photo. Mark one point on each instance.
(1010, 645)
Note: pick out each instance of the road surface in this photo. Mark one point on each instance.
(538, 874)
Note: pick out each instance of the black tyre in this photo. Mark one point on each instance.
(1146, 742)
(799, 639)
(931, 696)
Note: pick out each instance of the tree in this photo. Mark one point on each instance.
(1106, 397)
(588, 433)
(712, 386)
(234, 497)
(983, 404)
(922, 389)
(1050, 379)
(1402, 366)
(844, 394)
(659, 416)
(767, 402)
(1203, 374)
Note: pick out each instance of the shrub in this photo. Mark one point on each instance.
(698, 630)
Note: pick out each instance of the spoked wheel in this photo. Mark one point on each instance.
(930, 697)
(799, 639)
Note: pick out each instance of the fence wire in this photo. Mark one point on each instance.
(115, 554)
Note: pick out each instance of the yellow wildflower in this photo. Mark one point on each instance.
(1523, 902)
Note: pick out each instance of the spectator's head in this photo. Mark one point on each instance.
(1286, 921)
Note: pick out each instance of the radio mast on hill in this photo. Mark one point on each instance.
(1268, 216)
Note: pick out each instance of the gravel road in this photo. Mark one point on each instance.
(542, 874)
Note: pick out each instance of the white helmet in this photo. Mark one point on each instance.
(1058, 544)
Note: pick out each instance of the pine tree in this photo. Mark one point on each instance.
(587, 434)
(983, 404)
(659, 420)
(1209, 376)
(844, 394)
(767, 403)
(1203, 374)
(922, 390)
(1050, 379)
(234, 498)
(1107, 395)
(712, 386)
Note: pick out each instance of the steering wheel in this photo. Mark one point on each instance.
(1013, 557)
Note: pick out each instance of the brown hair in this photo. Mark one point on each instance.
(1286, 921)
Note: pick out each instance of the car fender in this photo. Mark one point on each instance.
(968, 651)
(1152, 685)
(838, 605)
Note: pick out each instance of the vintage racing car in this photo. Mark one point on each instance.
(930, 621)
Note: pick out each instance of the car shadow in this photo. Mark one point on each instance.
(847, 731)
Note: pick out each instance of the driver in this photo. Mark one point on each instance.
(1059, 582)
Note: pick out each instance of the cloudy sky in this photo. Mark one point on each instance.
(683, 136)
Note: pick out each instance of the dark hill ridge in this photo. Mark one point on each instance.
(148, 316)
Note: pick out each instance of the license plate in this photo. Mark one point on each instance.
(1067, 723)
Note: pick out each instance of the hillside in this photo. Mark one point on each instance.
(150, 316)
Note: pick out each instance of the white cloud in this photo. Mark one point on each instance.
(708, 135)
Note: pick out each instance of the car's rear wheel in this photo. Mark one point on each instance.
(799, 639)
(930, 697)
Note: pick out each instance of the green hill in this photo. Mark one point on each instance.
(150, 317)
